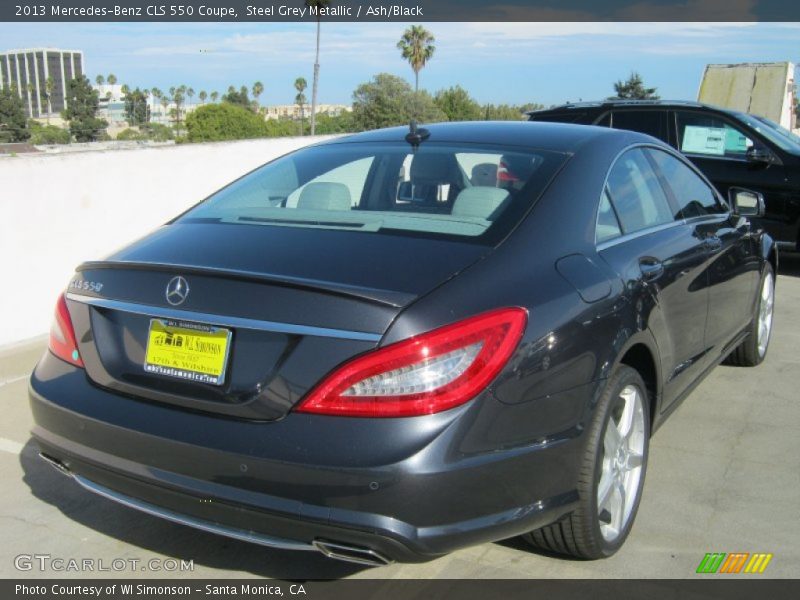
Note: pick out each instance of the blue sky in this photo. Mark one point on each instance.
(497, 62)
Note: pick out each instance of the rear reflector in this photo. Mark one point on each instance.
(425, 374)
(62, 335)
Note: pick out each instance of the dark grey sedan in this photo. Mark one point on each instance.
(404, 342)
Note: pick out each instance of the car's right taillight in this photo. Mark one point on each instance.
(62, 335)
(425, 374)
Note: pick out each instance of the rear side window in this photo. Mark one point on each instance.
(651, 122)
(636, 193)
(693, 195)
(471, 192)
(607, 223)
(708, 135)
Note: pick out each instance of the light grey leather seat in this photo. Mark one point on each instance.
(484, 174)
(325, 196)
(479, 201)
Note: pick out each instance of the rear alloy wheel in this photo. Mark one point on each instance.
(612, 475)
(753, 349)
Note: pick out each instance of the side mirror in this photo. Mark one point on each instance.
(746, 203)
(759, 155)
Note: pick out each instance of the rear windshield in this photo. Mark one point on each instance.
(473, 193)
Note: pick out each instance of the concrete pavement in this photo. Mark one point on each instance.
(724, 476)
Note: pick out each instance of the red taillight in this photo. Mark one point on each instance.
(62, 335)
(426, 374)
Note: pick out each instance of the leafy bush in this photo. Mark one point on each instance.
(225, 121)
(48, 134)
(128, 135)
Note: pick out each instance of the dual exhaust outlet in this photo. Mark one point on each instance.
(336, 550)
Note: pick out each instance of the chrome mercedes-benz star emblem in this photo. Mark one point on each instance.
(177, 290)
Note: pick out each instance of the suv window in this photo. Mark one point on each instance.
(710, 135)
(692, 195)
(636, 193)
(650, 122)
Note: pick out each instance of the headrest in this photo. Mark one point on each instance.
(432, 168)
(325, 196)
(484, 174)
(479, 202)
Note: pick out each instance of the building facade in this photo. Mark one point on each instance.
(29, 71)
(292, 111)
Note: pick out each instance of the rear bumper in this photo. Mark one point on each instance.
(400, 489)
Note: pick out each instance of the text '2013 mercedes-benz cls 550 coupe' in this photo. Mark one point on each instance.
(396, 344)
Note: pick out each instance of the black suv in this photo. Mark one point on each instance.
(735, 150)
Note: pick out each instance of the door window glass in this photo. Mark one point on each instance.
(650, 122)
(693, 196)
(709, 135)
(636, 193)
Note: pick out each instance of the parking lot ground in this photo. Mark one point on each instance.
(724, 476)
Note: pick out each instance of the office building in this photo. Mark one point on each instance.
(28, 71)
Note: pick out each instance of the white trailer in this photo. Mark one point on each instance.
(765, 89)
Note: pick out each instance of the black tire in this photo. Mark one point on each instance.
(750, 353)
(579, 533)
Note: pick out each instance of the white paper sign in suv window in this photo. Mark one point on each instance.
(704, 140)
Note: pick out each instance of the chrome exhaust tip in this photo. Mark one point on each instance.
(56, 464)
(352, 554)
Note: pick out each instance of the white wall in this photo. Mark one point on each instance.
(57, 211)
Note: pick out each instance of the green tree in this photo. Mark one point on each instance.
(100, 80)
(300, 84)
(137, 109)
(225, 121)
(458, 105)
(389, 100)
(13, 124)
(111, 79)
(202, 96)
(214, 96)
(503, 112)
(417, 48)
(634, 89)
(239, 98)
(258, 89)
(190, 94)
(49, 88)
(316, 5)
(81, 112)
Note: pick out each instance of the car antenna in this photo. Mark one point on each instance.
(416, 135)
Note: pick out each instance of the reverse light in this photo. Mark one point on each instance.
(425, 374)
(62, 335)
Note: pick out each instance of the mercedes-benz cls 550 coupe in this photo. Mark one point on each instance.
(396, 344)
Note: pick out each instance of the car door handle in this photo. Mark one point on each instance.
(712, 243)
(651, 268)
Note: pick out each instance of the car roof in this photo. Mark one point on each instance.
(557, 137)
(611, 103)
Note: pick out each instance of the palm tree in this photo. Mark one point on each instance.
(100, 80)
(125, 89)
(258, 89)
(49, 88)
(157, 95)
(316, 4)
(214, 96)
(112, 79)
(190, 93)
(300, 84)
(164, 104)
(202, 95)
(417, 48)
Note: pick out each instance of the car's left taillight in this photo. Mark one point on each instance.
(63, 342)
(425, 374)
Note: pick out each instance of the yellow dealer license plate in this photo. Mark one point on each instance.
(187, 351)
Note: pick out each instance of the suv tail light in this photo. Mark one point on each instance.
(62, 335)
(425, 374)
